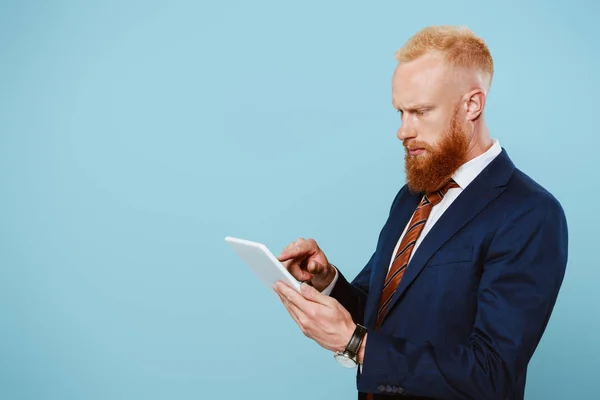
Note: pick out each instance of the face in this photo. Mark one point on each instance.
(432, 122)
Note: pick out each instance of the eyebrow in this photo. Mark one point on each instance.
(414, 107)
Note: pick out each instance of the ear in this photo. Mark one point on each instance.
(474, 104)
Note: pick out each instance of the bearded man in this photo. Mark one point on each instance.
(467, 268)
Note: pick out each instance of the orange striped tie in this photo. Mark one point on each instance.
(405, 249)
(408, 243)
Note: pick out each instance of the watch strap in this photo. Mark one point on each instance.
(356, 340)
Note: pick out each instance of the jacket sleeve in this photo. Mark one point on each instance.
(522, 274)
(353, 295)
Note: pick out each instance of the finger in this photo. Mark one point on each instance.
(316, 268)
(299, 273)
(293, 252)
(297, 249)
(312, 294)
(297, 315)
(295, 268)
(287, 306)
(292, 296)
(286, 250)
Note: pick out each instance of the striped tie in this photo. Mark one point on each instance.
(408, 243)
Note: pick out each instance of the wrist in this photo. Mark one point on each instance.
(330, 273)
(353, 352)
(327, 278)
(347, 336)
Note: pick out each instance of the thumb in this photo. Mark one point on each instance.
(315, 268)
(312, 294)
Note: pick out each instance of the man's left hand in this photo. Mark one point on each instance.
(320, 317)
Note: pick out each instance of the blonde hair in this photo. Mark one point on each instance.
(458, 45)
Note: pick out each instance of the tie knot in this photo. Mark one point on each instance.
(436, 196)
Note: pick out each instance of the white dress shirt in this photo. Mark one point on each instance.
(463, 177)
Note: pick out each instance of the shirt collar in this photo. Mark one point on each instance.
(465, 174)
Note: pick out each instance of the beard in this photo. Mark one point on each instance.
(430, 171)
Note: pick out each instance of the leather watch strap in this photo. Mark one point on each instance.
(356, 339)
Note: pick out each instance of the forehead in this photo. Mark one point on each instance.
(424, 80)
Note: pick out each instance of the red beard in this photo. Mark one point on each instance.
(430, 171)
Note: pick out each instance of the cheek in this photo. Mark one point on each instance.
(431, 132)
(427, 136)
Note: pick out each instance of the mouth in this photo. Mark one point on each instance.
(416, 151)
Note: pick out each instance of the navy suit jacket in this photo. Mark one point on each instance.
(475, 299)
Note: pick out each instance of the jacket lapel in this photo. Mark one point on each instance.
(399, 217)
(486, 187)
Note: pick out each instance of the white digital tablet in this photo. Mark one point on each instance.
(264, 264)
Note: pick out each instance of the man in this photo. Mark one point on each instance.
(460, 287)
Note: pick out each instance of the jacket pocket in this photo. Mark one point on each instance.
(451, 256)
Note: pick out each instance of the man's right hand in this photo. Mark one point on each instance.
(307, 262)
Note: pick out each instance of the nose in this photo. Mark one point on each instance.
(405, 132)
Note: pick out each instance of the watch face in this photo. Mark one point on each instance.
(344, 360)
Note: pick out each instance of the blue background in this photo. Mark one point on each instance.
(135, 136)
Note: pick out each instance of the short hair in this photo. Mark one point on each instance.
(459, 47)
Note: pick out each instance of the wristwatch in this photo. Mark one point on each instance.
(347, 358)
